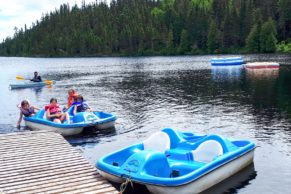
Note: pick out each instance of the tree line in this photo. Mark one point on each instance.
(156, 27)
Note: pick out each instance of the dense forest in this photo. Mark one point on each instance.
(156, 27)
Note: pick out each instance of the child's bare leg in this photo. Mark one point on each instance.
(67, 118)
(57, 121)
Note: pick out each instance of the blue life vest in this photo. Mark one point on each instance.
(81, 106)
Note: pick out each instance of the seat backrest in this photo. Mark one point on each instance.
(158, 141)
(207, 151)
(44, 115)
(41, 114)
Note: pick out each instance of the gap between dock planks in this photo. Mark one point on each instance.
(44, 162)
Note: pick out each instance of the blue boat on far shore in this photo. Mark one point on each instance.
(227, 61)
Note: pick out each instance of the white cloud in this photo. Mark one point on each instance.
(17, 13)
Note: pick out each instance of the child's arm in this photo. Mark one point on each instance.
(19, 120)
(89, 109)
(75, 110)
(48, 114)
(36, 108)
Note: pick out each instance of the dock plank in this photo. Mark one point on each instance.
(44, 162)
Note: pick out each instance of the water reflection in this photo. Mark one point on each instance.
(36, 89)
(10, 128)
(262, 74)
(221, 73)
(235, 182)
(262, 86)
(90, 135)
(151, 93)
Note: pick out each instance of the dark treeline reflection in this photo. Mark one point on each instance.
(265, 94)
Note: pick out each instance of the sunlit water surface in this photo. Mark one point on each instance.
(151, 93)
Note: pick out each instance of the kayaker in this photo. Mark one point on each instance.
(54, 113)
(81, 105)
(36, 77)
(26, 110)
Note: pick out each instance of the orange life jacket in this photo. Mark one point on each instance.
(71, 99)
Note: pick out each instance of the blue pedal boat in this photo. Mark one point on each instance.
(170, 161)
(78, 122)
(227, 61)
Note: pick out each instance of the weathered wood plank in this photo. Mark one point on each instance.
(103, 188)
(28, 146)
(48, 169)
(60, 181)
(62, 187)
(56, 177)
(33, 154)
(43, 162)
(39, 175)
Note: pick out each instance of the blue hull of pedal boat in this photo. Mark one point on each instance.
(81, 120)
(171, 161)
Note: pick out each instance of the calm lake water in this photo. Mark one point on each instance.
(151, 93)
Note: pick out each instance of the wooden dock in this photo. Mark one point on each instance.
(44, 162)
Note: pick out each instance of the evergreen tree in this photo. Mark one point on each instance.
(131, 27)
(268, 38)
(253, 39)
(184, 43)
(284, 23)
(170, 46)
(213, 38)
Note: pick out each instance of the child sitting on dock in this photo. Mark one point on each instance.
(26, 110)
(54, 113)
(81, 105)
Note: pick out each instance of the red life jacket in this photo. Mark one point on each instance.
(53, 108)
(71, 99)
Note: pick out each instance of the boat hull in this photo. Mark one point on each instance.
(208, 180)
(106, 125)
(29, 85)
(262, 65)
(62, 131)
(79, 121)
(227, 61)
(111, 177)
(201, 184)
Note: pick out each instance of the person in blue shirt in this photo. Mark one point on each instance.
(81, 105)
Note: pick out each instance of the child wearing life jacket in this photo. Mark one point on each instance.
(54, 113)
(81, 105)
(72, 97)
(26, 110)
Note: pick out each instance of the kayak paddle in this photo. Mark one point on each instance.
(49, 82)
